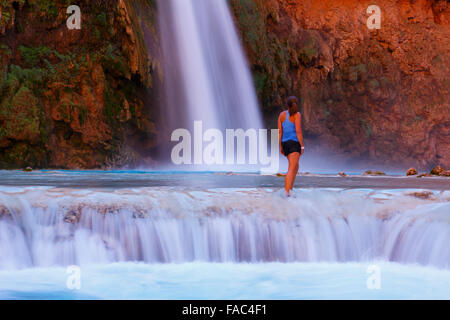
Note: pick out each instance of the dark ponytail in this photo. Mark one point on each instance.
(293, 108)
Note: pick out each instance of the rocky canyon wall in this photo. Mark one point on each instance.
(89, 98)
(377, 95)
(75, 98)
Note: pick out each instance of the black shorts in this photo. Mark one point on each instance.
(291, 146)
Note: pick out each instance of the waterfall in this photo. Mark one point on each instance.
(44, 226)
(205, 71)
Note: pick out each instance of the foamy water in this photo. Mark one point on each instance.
(45, 227)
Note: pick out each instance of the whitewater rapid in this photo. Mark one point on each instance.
(47, 226)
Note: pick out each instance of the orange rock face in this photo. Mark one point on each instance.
(379, 95)
(87, 98)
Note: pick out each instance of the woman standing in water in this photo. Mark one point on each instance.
(291, 140)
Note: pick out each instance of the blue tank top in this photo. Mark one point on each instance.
(289, 132)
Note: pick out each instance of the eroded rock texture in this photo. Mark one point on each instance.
(89, 98)
(380, 95)
(75, 98)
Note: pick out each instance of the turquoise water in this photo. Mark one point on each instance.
(229, 281)
(203, 179)
(195, 235)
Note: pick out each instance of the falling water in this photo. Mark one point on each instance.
(206, 74)
(57, 227)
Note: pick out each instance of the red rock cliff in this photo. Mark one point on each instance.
(380, 95)
(88, 98)
(76, 98)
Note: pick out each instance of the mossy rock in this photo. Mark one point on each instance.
(309, 52)
(374, 84)
(21, 113)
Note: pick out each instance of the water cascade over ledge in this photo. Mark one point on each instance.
(45, 226)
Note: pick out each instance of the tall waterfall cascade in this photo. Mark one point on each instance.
(206, 74)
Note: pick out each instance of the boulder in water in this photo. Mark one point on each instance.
(411, 172)
(342, 174)
(437, 170)
(27, 169)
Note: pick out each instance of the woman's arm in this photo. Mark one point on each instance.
(280, 133)
(298, 129)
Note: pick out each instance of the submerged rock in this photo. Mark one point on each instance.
(374, 173)
(4, 210)
(73, 215)
(342, 174)
(422, 195)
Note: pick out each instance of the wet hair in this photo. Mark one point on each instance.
(293, 108)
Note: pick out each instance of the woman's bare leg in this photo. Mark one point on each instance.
(296, 160)
(293, 159)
